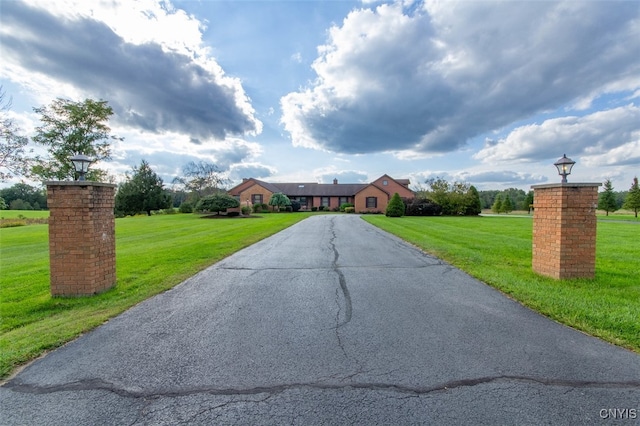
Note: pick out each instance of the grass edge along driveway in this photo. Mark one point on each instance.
(153, 254)
(156, 253)
(498, 251)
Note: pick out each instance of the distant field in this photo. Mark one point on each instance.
(497, 251)
(29, 214)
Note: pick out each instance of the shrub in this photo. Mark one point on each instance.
(264, 207)
(216, 203)
(246, 210)
(395, 208)
(169, 210)
(345, 205)
(257, 208)
(295, 205)
(320, 208)
(422, 207)
(186, 207)
(349, 209)
(314, 209)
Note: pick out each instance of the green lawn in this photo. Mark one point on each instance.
(29, 214)
(156, 253)
(497, 251)
(153, 254)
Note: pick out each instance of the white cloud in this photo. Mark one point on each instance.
(146, 58)
(392, 79)
(604, 137)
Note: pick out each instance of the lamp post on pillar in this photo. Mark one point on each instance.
(564, 226)
(81, 234)
(81, 163)
(564, 166)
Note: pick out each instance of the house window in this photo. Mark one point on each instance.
(324, 201)
(385, 182)
(372, 202)
(343, 200)
(256, 198)
(303, 202)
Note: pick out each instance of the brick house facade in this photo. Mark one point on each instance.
(366, 197)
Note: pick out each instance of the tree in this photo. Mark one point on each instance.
(70, 128)
(529, 201)
(507, 205)
(34, 197)
(395, 208)
(142, 192)
(219, 202)
(632, 202)
(12, 145)
(473, 205)
(279, 200)
(497, 205)
(607, 200)
(200, 179)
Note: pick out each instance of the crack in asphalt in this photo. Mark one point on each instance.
(341, 279)
(102, 385)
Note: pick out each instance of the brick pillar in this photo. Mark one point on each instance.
(564, 230)
(82, 243)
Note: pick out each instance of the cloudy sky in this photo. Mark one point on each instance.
(487, 92)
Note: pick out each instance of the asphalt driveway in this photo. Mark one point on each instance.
(331, 321)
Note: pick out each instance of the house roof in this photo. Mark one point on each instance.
(319, 189)
(313, 189)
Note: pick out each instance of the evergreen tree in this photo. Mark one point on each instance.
(632, 202)
(607, 200)
(497, 205)
(395, 208)
(142, 192)
(473, 203)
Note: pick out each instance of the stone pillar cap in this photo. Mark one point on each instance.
(566, 185)
(78, 183)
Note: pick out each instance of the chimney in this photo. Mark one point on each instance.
(244, 180)
(335, 181)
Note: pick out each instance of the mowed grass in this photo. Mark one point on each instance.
(29, 214)
(497, 251)
(153, 254)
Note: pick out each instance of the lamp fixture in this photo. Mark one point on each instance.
(81, 165)
(564, 166)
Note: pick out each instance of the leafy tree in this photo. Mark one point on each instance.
(35, 197)
(507, 205)
(607, 200)
(279, 200)
(219, 202)
(395, 208)
(200, 179)
(454, 198)
(142, 192)
(70, 128)
(13, 161)
(20, 204)
(632, 202)
(3, 204)
(497, 205)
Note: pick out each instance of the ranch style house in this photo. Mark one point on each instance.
(366, 197)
